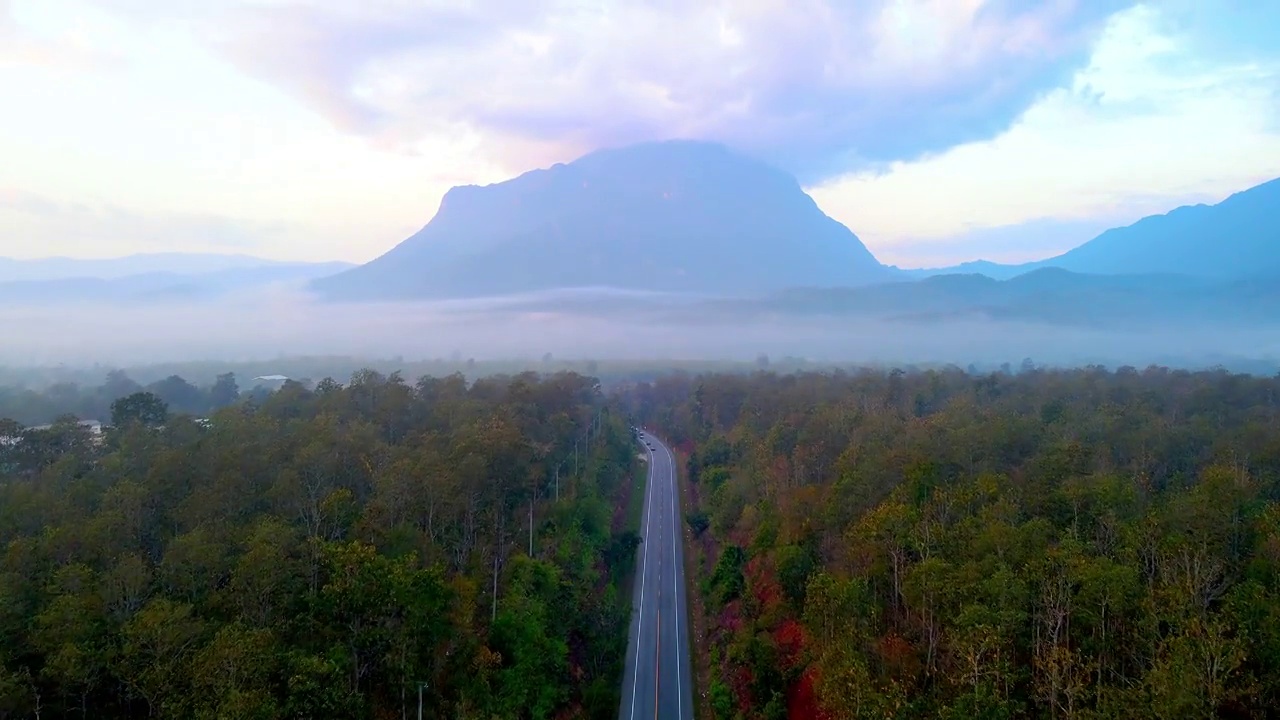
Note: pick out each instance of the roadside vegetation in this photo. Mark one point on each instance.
(319, 553)
(1047, 544)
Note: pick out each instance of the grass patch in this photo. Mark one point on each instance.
(635, 500)
(629, 515)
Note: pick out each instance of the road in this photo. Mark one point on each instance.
(658, 681)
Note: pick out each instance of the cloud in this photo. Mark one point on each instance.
(37, 226)
(175, 131)
(1150, 123)
(817, 86)
(19, 47)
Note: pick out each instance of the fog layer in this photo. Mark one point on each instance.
(582, 324)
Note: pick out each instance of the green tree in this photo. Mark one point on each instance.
(143, 408)
(225, 391)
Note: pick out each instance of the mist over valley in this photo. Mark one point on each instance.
(673, 250)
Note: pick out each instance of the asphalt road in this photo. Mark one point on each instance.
(658, 682)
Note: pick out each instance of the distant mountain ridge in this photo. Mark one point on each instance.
(1236, 238)
(62, 268)
(677, 216)
(162, 286)
(692, 217)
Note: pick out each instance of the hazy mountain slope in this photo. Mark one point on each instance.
(177, 263)
(986, 268)
(673, 216)
(155, 286)
(1237, 238)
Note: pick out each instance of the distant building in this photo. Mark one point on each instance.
(271, 382)
(94, 427)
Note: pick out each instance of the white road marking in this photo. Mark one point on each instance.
(644, 569)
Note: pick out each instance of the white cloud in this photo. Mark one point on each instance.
(806, 82)
(171, 131)
(1146, 126)
(340, 126)
(326, 129)
(66, 49)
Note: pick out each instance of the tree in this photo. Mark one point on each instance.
(118, 384)
(158, 644)
(315, 554)
(225, 391)
(1046, 543)
(180, 395)
(9, 428)
(10, 438)
(142, 408)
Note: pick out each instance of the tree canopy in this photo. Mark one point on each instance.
(319, 553)
(1049, 544)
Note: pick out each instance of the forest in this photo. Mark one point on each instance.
(1084, 543)
(327, 552)
(921, 543)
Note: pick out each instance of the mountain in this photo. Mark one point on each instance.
(675, 216)
(1237, 238)
(161, 286)
(59, 268)
(986, 268)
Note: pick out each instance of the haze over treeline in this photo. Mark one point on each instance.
(231, 331)
(674, 250)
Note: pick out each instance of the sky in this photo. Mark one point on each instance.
(939, 131)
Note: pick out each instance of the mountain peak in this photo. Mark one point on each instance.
(673, 216)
